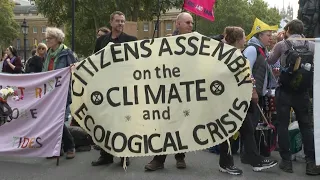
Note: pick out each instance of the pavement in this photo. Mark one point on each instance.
(201, 165)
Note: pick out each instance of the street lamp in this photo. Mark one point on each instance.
(24, 28)
(73, 26)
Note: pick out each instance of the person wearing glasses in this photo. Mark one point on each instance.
(184, 24)
(35, 63)
(60, 56)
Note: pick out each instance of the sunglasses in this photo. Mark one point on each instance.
(41, 48)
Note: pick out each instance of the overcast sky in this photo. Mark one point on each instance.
(279, 4)
(272, 3)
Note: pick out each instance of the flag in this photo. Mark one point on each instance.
(203, 8)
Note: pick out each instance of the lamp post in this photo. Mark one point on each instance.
(72, 27)
(24, 28)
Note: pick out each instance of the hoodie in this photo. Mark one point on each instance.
(251, 54)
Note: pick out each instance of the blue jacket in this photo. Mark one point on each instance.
(65, 59)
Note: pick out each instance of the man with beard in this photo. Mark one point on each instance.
(295, 95)
(117, 22)
(184, 25)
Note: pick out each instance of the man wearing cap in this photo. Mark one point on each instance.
(256, 53)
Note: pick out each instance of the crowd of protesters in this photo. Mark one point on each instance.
(267, 53)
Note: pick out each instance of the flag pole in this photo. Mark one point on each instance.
(195, 22)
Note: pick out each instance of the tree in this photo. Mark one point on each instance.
(9, 29)
(90, 15)
(259, 9)
(238, 13)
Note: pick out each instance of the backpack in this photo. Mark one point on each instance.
(297, 73)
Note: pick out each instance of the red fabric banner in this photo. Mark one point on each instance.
(203, 8)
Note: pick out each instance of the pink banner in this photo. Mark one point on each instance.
(35, 126)
(201, 8)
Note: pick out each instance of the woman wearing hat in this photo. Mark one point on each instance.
(256, 52)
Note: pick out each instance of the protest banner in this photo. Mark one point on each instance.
(316, 100)
(200, 7)
(34, 129)
(178, 94)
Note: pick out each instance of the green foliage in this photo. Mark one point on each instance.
(9, 29)
(238, 13)
(92, 14)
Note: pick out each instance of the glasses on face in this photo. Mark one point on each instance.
(41, 48)
(49, 38)
(189, 22)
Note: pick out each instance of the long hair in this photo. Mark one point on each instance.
(41, 45)
(13, 50)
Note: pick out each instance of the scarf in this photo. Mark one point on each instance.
(52, 54)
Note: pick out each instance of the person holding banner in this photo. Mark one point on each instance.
(184, 24)
(60, 56)
(117, 21)
(235, 36)
(295, 95)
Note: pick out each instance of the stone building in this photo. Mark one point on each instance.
(167, 25)
(37, 27)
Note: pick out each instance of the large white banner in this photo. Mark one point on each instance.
(178, 94)
(316, 100)
(34, 129)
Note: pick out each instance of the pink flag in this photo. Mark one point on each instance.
(201, 8)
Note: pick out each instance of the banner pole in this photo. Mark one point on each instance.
(195, 22)
(58, 161)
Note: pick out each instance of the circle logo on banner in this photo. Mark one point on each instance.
(258, 28)
(178, 94)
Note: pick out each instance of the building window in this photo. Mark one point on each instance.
(35, 42)
(35, 30)
(169, 26)
(18, 44)
(146, 27)
(43, 29)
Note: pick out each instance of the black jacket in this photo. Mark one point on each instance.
(34, 64)
(218, 37)
(104, 40)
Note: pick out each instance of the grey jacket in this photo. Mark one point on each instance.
(281, 47)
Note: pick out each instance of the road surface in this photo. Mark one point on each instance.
(202, 165)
